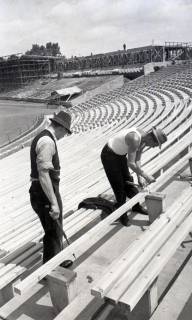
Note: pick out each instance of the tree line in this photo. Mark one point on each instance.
(50, 49)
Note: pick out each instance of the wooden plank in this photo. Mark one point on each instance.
(83, 305)
(18, 233)
(81, 244)
(78, 219)
(178, 297)
(92, 217)
(136, 248)
(132, 272)
(101, 228)
(145, 279)
(8, 309)
(13, 255)
(4, 271)
(152, 293)
(16, 272)
(11, 246)
(27, 254)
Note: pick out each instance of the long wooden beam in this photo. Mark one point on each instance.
(146, 278)
(79, 246)
(147, 254)
(136, 249)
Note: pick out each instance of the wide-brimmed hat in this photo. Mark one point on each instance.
(159, 135)
(66, 104)
(64, 119)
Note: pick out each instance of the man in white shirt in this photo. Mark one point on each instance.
(45, 176)
(123, 151)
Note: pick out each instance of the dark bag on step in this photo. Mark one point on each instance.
(97, 203)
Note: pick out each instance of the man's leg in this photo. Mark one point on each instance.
(131, 190)
(112, 167)
(52, 240)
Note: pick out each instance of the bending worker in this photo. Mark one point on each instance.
(44, 191)
(123, 151)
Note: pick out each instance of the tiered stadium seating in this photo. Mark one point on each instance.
(82, 176)
(95, 234)
(136, 271)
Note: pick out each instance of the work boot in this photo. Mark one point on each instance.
(124, 220)
(140, 209)
(66, 264)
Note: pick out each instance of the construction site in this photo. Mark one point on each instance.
(19, 70)
(142, 271)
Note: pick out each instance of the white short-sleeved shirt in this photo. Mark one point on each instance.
(45, 150)
(118, 144)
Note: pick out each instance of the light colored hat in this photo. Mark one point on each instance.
(64, 119)
(159, 135)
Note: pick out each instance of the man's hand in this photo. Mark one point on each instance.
(149, 178)
(141, 182)
(54, 212)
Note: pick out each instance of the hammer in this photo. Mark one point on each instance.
(138, 186)
(64, 234)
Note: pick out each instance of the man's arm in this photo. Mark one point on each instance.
(45, 150)
(47, 187)
(134, 157)
(138, 164)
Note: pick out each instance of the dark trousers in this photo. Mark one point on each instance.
(117, 172)
(52, 240)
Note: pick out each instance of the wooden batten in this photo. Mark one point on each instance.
(155, 203)
(62, 287)
(127, 277)
(190, 165)
(147, 277)
(96, 232)
(7, 293)
(152, 297)
(79, 246)
(129, 256)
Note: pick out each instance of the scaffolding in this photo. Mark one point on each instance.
(178, 50)
(121, 58)
(134, 57)
(16, 71)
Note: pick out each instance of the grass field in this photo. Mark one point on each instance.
(17, 117)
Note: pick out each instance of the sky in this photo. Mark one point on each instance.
(82, 27)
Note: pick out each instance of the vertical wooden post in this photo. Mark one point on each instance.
(7, 292)
(145, 306)
(190, 165)
(155, 205)
(62, 287)
(152, 295)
